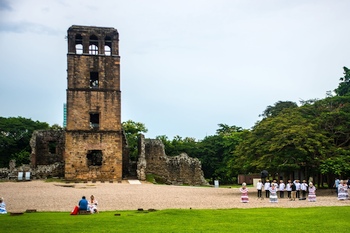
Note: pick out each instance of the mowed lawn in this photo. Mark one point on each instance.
(315, 219)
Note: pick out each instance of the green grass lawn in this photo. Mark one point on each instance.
(315, 219)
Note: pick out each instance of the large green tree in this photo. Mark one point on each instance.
(132, 130)
(15, 134)
(179, 145)
(286, 143)
(216, 151)
(333, 117)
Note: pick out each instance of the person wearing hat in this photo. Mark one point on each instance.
(259, 186)
(294, 190)
(297, 188)
(303, 188)
(281, 188)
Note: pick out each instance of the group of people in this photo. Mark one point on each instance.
(90, 205)
(294, 190)
(84, 204)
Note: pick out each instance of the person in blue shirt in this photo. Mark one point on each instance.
(2, 206)
(83, 204)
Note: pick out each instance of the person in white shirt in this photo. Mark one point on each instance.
(303, 188)
(297, 188)
(267, 188)
(259, 186)
(281, 188)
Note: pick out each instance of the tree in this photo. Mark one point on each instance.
(286, 143)
(216, 152)
(279, 106)
(226, 129)
(15, 134)
(344, 86)
(333, 117)
(56, 127)
(132, 130)
(180, 145)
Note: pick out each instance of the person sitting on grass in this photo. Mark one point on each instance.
(2, 206)
(93, 204)
(83, 204)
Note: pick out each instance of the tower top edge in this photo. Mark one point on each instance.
(88, 28)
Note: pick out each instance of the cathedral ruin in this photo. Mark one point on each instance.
(93, 146)
(93, 141)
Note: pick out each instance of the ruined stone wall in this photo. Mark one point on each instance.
(180, 169)
(45, 164)
(79, 144)
(156, 158)
(141, 162)
(126, 156)
(55, 170)
(186, 170)
(47, 147)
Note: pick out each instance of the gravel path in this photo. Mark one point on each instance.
(55, 196)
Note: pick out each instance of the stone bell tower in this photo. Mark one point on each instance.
(94, 138)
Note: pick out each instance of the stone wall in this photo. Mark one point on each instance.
(178, 170)
(39, 172)
(79, 144)
(47, 147)
(48, 160)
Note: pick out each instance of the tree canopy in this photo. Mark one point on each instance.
(344, 85)
(132, 129)
(15, 134)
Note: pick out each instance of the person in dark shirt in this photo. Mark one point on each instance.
(83, 204)
(294, 191)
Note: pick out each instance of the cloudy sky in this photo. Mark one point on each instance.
(186, 65)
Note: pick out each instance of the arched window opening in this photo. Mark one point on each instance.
(52, 147)
(94, 158)
(108, 46)
(108, 51)
(78, 44)
(94, 120)
(94, 80)
(93, 45)
(93, 49)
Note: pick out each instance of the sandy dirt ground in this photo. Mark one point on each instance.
(56, 196)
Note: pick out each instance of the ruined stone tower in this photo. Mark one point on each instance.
(94, 138)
